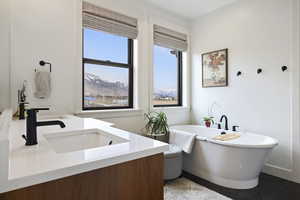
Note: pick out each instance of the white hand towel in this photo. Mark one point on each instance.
(42, 85)
(183, 140)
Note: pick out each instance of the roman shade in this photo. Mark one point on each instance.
(102, 19)
(169, 38)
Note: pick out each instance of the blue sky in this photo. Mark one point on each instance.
(103, 46)
(165, 69)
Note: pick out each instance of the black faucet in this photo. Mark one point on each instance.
(32, 124)
(234, 128)
(22, 110)
(226, 121)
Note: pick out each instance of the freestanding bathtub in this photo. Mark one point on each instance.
(233, 164)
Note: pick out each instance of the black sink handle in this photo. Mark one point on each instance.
(38, 109)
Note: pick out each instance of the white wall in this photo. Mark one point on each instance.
(51, 30)
(258, 34)
(4, 54)
(44, 30)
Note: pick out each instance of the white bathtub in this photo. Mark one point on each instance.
(233, 164)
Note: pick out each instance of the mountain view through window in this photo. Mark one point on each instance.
(106, 70)
(165, 76)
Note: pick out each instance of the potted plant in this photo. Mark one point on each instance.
(157, 124)
(208, 121)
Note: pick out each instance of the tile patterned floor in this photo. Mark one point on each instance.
(184, 189)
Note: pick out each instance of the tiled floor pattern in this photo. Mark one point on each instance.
(184, 189)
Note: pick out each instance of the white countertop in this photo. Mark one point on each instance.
(30, 165)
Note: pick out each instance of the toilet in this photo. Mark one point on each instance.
(173, 162)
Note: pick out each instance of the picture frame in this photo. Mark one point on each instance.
(215, 69)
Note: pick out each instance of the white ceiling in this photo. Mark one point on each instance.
(190, 9)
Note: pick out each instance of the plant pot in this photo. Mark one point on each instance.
(207, 124)
(160, 137)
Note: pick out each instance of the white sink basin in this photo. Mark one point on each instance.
(64, 142)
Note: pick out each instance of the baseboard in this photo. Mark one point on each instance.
(280, 172)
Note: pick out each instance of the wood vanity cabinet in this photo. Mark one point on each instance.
(140, 179)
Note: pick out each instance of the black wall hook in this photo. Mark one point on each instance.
(284, 68)
(43, 63)
(259, 71)
(239, 73)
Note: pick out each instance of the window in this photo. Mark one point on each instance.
(167, 77)
(168, 48)
(107, 71)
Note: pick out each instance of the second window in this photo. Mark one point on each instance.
(167, 77)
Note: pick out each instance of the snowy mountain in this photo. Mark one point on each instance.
(95, 86)
(165, 93)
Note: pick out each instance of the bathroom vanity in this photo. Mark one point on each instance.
(89, 159)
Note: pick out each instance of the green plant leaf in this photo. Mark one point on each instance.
(156, 123)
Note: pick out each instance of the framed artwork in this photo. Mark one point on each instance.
(215, 69)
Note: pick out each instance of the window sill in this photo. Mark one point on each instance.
(107, 114)
(172, 109)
